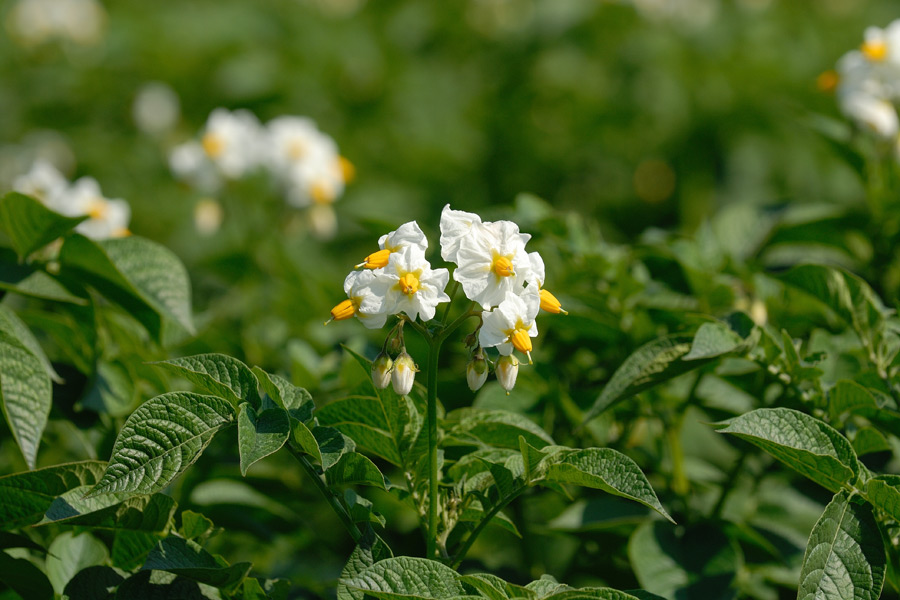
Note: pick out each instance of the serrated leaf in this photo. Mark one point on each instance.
(883, 491)
(296, 400)
(111, 511)
(800, 441)
(497, 428)
(845, 556)
(25, 497)
(70, 553)
(31, 225)
(143, 277)
(607, 470)
(161, 439)
(261, 434)
(355, 468)
(188, 559)
(25, 579)
(649, 365)
(219, 375)
(93, 583)
(369, 550)
(407, 577)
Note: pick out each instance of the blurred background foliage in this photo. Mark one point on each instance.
(666, 155)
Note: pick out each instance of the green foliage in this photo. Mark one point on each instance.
(30, 225)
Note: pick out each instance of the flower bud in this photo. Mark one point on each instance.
(395, 345)
(507, 370)
(476, 372)
(381, 371)
(403, 374)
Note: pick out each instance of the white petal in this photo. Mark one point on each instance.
(455, 225)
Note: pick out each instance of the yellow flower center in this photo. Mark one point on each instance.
(875, 50)
(550, 303)
(97, 209)
(296, 149)
(348, 171)
(320, 193)
(121, 232)
(344, 310)
(502, 266)
(213, 145)
(409, 284)
(376, 260)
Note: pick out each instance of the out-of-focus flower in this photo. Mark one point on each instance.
(877, 115)
(409, 284)
(323, 221)
(511, 324)
(208, 216)
(43, 181)
(34, 22)
(107, 218)
(232, 140)
(190, 163)
(156, 108)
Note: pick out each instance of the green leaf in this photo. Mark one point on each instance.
(494, 588)
(24, 578)
(649, 365)
(698, 562)
(161, 439)
(369, 550)
(219, 375)
(31, 225)
(332, 445)
(884, 492)
(261, 434)
(272, 589)
(15, 540)
(195, 526)
(800, 441)
(712, 340)
(306, 440)
(131, 548)
(160, 585)
(188, 559)
(406, 577)
(93, 583)
(112, 511)
(25, 497)
(531, 458)
(845, 556)
(113, 391)
(868, 440)
(143, 277)
(296, 400)
(26, 280)
(496, 428)
(25, 385)
(355, 468)
(70, 553)
(607, 470)
(591, 594)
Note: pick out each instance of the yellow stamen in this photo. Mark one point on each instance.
(409, 284)
(213, 145)
(550, 303)
(376, 260)
(296, 149)
(502, 266)
(827, 81)
(344, 310)
(97, 209)
(321, 194)
(348, 171)
(521, 341)
(875, 50)
(121, 232)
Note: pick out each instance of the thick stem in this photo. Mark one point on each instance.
(434, 351)
(336, 505)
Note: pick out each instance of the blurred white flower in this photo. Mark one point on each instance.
(156, 108)
(208, 216)
(872, 113)
(293, 140)
(322, 221)
(233, 141)
(409, 284)
(37, 21)
(511, 324)
(189, 162)
(43, 181)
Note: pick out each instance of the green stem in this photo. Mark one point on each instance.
(431, 420)
(332, 499)
(482, 524)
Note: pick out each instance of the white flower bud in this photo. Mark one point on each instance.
(507, 370)
(403, 374)
(381, 371)
(476, 373)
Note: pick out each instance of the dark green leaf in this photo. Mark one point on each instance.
(219, 375)
(355, 468)
(131, 548)
(497, 428)
(884, 492)
(112, 511)
(93, 583)
(24, 578)
(195, 526)
(712, 340)
(25, 497)
(332, 445)
(188, 559)
(69, 554)
(406, 577)
(306, 440)
(31, 225)
(159, 585)
(260, 435)
(296, 400)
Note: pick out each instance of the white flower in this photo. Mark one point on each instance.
(208, 216)
(882, 45)
(408, 234)
(317, 180)
(507, 371)
(43, 181)
(549, 302)
(872, 113)
(410, 285)
(476, 372)
(362, 301)
(511, 324)
(455, 225)
(156, 108)
(232, 140)
(190, 163)
(108, 218)
(381, 371)
(403, 374)
(291, 140)
(492, 262)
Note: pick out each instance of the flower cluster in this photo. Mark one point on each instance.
(34, 22)
(494, 270)
(867, 82)
(303, 160)
(107, 218)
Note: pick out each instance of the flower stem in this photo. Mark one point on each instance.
(434, 350)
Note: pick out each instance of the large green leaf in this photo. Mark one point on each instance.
(25, 385)
(145, 278)
(607, 470)
(800, 441)
(219, 375)
(130, 548)
(354, 468)
(883, 491)
(845, 556)
(93, 583)
(70, 553)
(406, 577)
(369, 550)
(152, 513)
(27, 280)
(160, 585)
(24, 578)
(161, 439)
(296, 400)
(188, 559)
(714, 339)
(31, 225)
(261, 434)
(497, 428)
(25, 497)
(652, 363)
